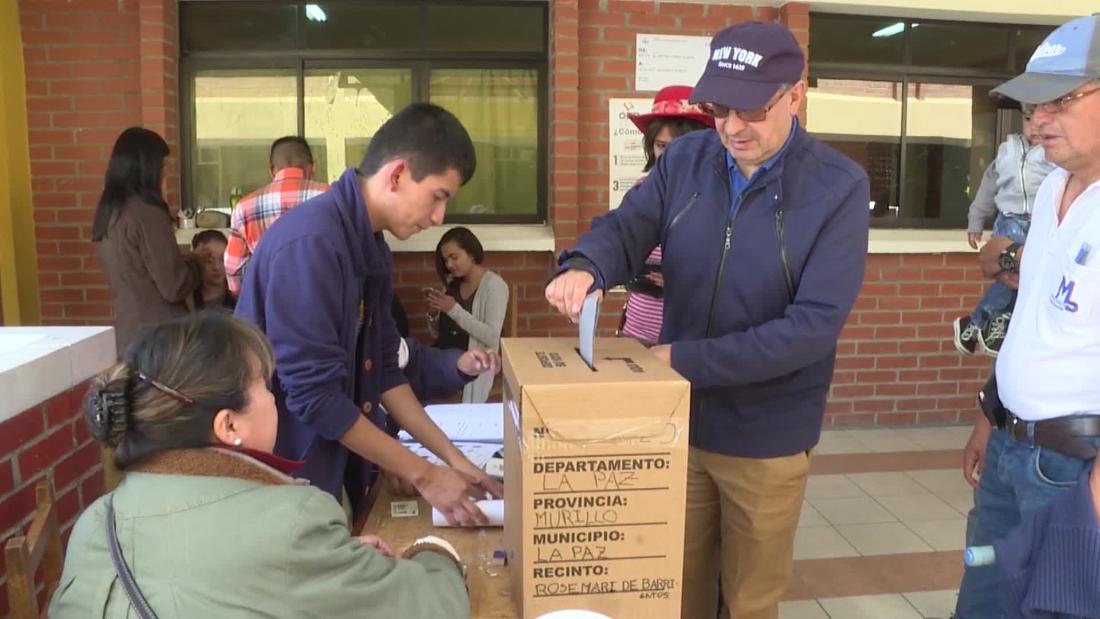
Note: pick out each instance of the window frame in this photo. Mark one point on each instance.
(907, 73)
(420, 61)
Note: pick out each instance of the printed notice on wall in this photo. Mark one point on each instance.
(667, 60)
(626, 156)
(598, 522)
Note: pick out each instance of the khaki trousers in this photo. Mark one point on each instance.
(742, 514)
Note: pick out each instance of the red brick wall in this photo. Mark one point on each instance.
(896, 362)
(93, 67)
(50, 442)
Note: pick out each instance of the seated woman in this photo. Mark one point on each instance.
(209, 246)
(208, 521)
(472, 306)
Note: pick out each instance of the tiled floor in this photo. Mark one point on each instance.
(882, 526)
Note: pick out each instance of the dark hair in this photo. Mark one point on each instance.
(466, 240)
(432, 140)
(176, 377)
(677, 125)
(135, 169)
(290, 151)
(208, 236)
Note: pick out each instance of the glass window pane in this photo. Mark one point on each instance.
(962, 46)
(1027, 40)
(344, 107)
(499, 107)
(844, 39)
(862, 119)
(350, 26)
(486, 28)
(238, 114)
(951, 135)
(231, 26)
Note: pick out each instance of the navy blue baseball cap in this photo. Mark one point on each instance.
(748, 63)
(1066, 60)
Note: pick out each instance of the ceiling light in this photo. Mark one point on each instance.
(315, 13)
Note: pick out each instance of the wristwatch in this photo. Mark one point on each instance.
(1007, 260)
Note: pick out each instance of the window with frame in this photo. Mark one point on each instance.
(333, 72)
(909, 100)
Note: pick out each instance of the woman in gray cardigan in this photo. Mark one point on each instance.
(472, 306)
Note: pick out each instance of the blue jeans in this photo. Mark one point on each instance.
(999, 298)
(1017, 480)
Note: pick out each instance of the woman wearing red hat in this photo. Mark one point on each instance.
(670, 118)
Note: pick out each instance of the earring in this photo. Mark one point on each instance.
(237, 442)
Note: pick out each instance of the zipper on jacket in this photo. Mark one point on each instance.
(691, 203)
(734, 210)
(781, 237)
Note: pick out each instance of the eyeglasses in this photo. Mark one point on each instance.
(1057, 105)
(165, 389)
(720, 111)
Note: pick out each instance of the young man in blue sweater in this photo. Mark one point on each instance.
(764, 231)
(320, 286)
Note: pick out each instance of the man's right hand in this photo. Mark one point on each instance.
(974, 453)
(567, 291)
(450, 491)
(974, 239)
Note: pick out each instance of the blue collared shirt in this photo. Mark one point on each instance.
(738, 182)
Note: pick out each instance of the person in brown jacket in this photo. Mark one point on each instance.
(150, 278)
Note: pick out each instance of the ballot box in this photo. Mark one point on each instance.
(595, 468)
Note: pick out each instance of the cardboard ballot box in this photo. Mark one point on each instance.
(595, 474)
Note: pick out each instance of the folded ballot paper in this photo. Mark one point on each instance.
(493, 510)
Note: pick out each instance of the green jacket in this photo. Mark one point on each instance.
(215, 533)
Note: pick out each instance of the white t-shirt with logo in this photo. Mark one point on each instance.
(1049, 364)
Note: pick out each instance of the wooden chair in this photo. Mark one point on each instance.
(41, 547)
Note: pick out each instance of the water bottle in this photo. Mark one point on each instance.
(976, 556)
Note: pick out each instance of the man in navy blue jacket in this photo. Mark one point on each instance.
(764, 231)
(320, 286)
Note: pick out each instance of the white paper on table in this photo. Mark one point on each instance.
(492, 508)
(478, 453)
(589, 321)
(476, 423)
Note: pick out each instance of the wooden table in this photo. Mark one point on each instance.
(490, 585)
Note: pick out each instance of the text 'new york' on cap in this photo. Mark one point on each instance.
(747, 65)
(1066, 60)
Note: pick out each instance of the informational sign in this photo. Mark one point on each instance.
(667, 60)
(626, 156)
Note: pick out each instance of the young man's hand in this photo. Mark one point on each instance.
(482, 479)
(450, 491)
(478, 362)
